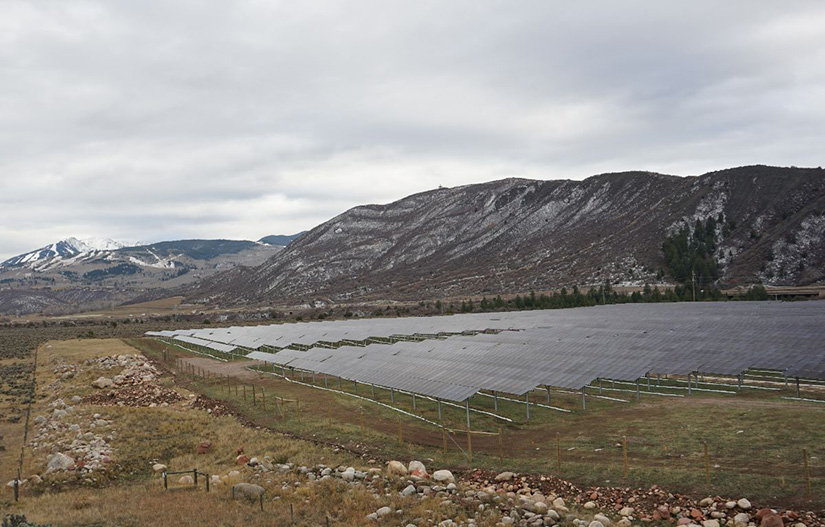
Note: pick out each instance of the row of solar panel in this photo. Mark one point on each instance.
(563, 348)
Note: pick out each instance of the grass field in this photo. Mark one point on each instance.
(755, 439)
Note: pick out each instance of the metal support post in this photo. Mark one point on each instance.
(438, 401)
(495, 401)
(392, 395)
(467, 406)
(548, 394)
(584, 399)
(414, 407)
(798, 392)
(638, 393)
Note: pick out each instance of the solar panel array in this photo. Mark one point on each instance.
(562, 348)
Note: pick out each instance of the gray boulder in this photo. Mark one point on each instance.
(247, 491)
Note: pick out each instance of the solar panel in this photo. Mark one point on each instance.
(564, 348)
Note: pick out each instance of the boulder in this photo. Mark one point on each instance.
(396, 468)
(242, 459)
(443, 476)
(159, 467)
(247, 491)
(59, 462)
(417, 469)
(768, 518)
(601, 518)
(741, 519)
(710, 523)
(103, 383)
(590, 505)
(383, 511)
(204, 446)
(186, 480)
(540, 507)
(505, 476)
(595, 523)
(744, 504)
(409, 490)
(626, 511)
(624, 522)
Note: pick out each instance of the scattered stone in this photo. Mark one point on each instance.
(590, 505)
(102, 383)
(204, 446)
(505, 476)
(58, 462)
(243, 459)
(626, 511)
(417, 469)
(601, 518)
(186, 480)
(247, 491)
(409, 490)
(744, 504)
(396, 468)
(383, 511)
(710, 523)
(443, 476)
(159, 467)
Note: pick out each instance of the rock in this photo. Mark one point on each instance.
(383, 511)
(233, 475)
(601, 518)
(372, 516)
(744, 504)
(595, 523)
(204, 447)
(186, 480)
(443, 476)
(348, 474)
(710, 523)
(553, 514)
(248, 491)
(59, 461)
(706, 502)
(159, 467)
(396, 468)
(409, 490)
(540, 507)
(505, 476)
(741, 519)
(768, 518)
(417, 469)
(36, 479)
(626, 511)
(590, 505)
(624, 522)
(242, 459)
(103, 383)
(730, 504)
(39, 420)
(696, 514)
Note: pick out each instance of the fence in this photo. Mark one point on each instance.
(719, 454)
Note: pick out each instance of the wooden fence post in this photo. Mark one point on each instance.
(807, 471)
(469, 447)
(707, 464)
(558, 451)
(624, 454)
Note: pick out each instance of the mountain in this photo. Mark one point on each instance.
(72, 274)
(515, 235)
(280, 239)
(62, 252)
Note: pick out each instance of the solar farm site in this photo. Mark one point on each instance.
(453, 358)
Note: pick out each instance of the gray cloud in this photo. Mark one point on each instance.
(156, 120)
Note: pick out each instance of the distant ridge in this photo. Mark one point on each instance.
(281, 239)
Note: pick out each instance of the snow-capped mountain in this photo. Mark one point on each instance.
(63, 252)
(108, 270)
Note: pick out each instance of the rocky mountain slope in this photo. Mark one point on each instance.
(95, 273)
(516, 234)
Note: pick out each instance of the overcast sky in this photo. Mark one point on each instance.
(151, 120)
